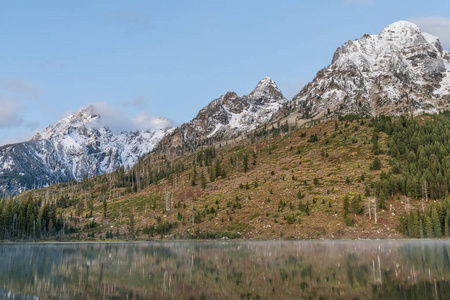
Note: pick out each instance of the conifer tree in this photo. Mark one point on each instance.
(346, 204)
(429, 227)
(105, 207)
(203, 180)
(436, 223)
(421, 228)
(446, 233)
(416, 229)
(245, 163)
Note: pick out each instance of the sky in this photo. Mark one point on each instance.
(141, 59)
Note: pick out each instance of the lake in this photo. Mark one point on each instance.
(383, 269)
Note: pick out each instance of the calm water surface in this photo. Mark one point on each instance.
(227, 270)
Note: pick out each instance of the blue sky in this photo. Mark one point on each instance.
(171, 58)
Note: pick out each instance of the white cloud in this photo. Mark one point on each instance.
(118, 121)
(437, 26)
(146, 121)
(10, 112)
(20, 88)
(113, 117)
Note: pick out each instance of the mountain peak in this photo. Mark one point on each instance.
(400, 70)
(402, 26)
(88, 110)
(401, 31)
(86, 113)
(266, 80)
(266, 91)
(266, 83)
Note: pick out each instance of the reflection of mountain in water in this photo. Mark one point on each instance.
(252, 270)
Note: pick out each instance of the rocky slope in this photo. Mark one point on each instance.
(76, 146)
(230, 115)
(399, 71)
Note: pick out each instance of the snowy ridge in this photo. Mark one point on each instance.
(400, 70)
(76, 146)
(230, 114)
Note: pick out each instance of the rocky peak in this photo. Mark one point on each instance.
(78, 120)
(82, 117)
(266, 91)
(400, 70)
(76, 146)
(401, 31)
(231, 114)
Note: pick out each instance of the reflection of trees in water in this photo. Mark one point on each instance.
(427, 273)
(265, 270)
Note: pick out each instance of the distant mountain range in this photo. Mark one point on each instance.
(76, 146)
(399, 71)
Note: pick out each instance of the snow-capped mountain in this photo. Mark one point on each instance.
(76, 146)
(230, 114)
(401, 70)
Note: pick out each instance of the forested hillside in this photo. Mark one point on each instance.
(348, 178)
(420, 170)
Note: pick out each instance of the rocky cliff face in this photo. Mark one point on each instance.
(398, 71)
(230, 114)
(76, 146)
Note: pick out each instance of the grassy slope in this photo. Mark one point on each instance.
(284, 165)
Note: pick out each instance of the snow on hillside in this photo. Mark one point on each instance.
(400, 70)
(77, 145)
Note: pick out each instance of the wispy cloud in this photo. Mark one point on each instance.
(136, 102)
(438, 26)
(358, 2)
(20, 88)
(147, 121)
(118, 121)
(10, 112)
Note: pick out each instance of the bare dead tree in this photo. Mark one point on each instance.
(425, 193)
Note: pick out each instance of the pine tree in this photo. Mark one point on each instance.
(436, 223)
(245, 163)
(416, 229)
(355, 205)
(105, 207)
(421, 228)
(446, 233)
(194, 176)
(410, 224)
(376, 164)
(429, 227)
(203, 180)
(381, 199)
(346, 205)
(50, 228)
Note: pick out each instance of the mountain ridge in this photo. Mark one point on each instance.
(78, 145)
(230, 115)
(400, 70)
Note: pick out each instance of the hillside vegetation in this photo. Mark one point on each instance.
(348, 178)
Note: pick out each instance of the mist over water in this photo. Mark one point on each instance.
(227, 270)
